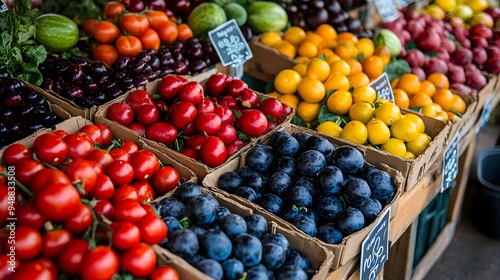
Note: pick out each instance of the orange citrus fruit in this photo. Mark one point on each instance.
(358, 79)
(459, 104)
(445, 98)
(311, 90)
(347, 36)
(401, 98)
(336, 82)
(364, 94)
(318, 68)
(327, 31)
(409, 83)
(294, 35)
(307, 49)
(355, 65)
(287, 81)
(340, 66)
(420, 99)
(427, 87)
(339, 102)
(439, 80)
(270, 38)
(285, 48)
(373, 66)
(365, 46)
(384, 53)
(346, 50)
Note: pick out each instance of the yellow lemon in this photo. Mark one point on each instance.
(337, 81)
(355, 132)
(417, 120)
(274, 94)
(330, 128)
(300, 68)
(364, 94)
(339, 102)
(291, 100)
(404, 129)
(287, 81)
(388, 113)
(361, 111)
(394, 146)
(340, 66)
(419, 145)
(318, 68)
(294, 35)
(311, 89)
(308, 111)
(409, 155)
(378, 132)
(270, 38)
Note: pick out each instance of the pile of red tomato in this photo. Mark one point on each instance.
(123, 33)
(68, 183)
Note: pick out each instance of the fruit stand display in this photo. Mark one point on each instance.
(129, 151)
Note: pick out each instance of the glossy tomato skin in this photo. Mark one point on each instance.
(28, 214)
(129, 210)
(101, 262)
(153, 229)
(148, 114)
(205, 106)
(130, 147)
(5, 264)
(134, 24)
(125, 192)
(120, 154)
(58, 202)
(137, 98)
(217, 84)
(32, 271)
(7, 198)
(54, 241)
(227, 134)
(165, 180)
(191, 92)
(236, 87)
(121, 113)
(106, 133)
(80, 221)
(229, 102)
(100, 156)
(252, 122)
(162, 132)
(144, 190)
(79, 145)
(164, 272)
(170, 85)
(182, 114)
(139, 128)
(28, 243)
(81, 170)
(150, 39)
(139, 261)
(125, 235)
(93, 132)
(47, 176)
(120, 172)
(50, 148)
(105, 208)
(113, 9)
(195, 141)
(15, 152)
(26, 168)
(213, 151)
(208, 123)
(49, 265)
(225, 114)
(103, 189)
(70, 258)
(192, 153)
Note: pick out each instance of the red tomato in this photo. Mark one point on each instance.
(148, 114)
(229, 101)
(119, 154)
(144, 190)
(82, 171)
(70, 258)
(79, 145)
(153, 229)
(105, 53)
(206, 106)
(93, 132)
(32, 271)
(182, 114)
(191, 92)
(105, 32)
(248, 99)
(192, 153)
(134, 24)
(28, 214)
(130, 147)
(49, 265)
(252, 122)
(105, 208)
(121, 113)
(213, 151)
(50, 148)
(125, 235)
(164, 272)
(208, 123)
(138, 128)
(100, 156)
(225, 114)
(170, 85)
(150, 39)
(139, 261)
(103, 189)
(125, 192)
(89, 25)
(217, 83)
(120, 172)
(100, 263)
(54, 241)
(168, 32)
(227, 134)
(45, 177)
(162, 132)
(61, 133)
(129, 210)
(7, 262)
(58, 202)
(128, 46)
(15, 152)
(106, 133)
(137, 98)
(271, 107)
(145, 164)
(80, 221)
(165, 180)
(113, 9)
(97, 168)
(27, 242)
(236, 87)
(156, 19)
(195, 141)
(4, 203)
(184, 32)
(26, 168)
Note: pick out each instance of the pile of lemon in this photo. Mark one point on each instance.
(432, 97)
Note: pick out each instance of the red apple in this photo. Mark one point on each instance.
(248, 99)
(479, 42)
(449, 45)
(191, 92)
(481, 30)
(493, 52)
(415, 27)
(443, 54)
(465, 43)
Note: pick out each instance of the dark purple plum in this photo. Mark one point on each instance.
(311, 162)
(291, 272)
(172, 206)
(211, 268)
(259, 159)
(330, 234)
(381, 185)
(350, 220)
(348, 159)
(321, 145)
(296, 257)
(216, 244)
(273, 256)
(184, 243)
(272, 203)
(279, 183)
(328, 207)
(233, 269)
(301, 197)
(186, 191)
(247, 193)
(330, 180)
(233, 225)
(356, 192)
(286, 165)
(371, 209)
(248, 249)
(256, 225)
(229, 181)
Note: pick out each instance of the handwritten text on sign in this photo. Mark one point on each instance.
(450, 165)
(387, 10)
(375, 248)
(382, 86)
(230, 44)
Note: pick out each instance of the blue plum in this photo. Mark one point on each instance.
(172, 206)
(321, 145)
(356, 192)
(330, 180)
(286, 165)
(259, 159)
(279, 182)
(309, 183)
(273, 256)
(216, 244)
(328, 207)
(291, 272)
(172, 223)
(229, 181)
(202, 209)
(256, 225)
(299, 259)
(233, 225)
(233, 269)
(257, 272)
(350, 220)
(366, 171)
(187, 190)
(381, 185)
(330, 234)
(311, 162)
(349, 159)
(278, 239)
(301, 197)
(247, 193)
(276, 137)
(305, 224)
(248, 249)
(371, 209)
(220, 213)
(272, 203)
(184, 243)
(211, 268)
(287, 146)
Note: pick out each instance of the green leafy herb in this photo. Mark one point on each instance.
(20, 54)
(397, 68)
(79, 11)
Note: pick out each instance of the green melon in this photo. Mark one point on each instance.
(266, 16)
(56, 32)
(206, 17)
(236, 11)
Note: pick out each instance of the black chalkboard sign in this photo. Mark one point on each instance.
(382, 86)
(387, 10)
(230, 44)
(485, 115)
(3, 6)
(375, 248)
(450, 165)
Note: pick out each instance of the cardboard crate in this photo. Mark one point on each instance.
(321, 258)
(200, 169)
(350, 247)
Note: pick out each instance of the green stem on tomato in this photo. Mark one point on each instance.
(35, 157)
(95, 223)
(18, 184)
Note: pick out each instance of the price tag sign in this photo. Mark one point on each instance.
(382, 86)
(230, 44)
(485, 116)
(3, 6)
(375, 248)
(387, 10)
(450, 165)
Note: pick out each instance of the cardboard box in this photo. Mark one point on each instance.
(350, 246)
(321, 258)
(200, 169)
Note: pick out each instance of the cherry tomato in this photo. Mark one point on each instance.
(54, 241)
(80, 221)
(137, 98)
(103, 189)
(125, 192)
(271, 107)
(101, 262)
(121, 113)
(227, 134)
(28, 214)
(208, 123)
(170, 85)
(156, 19)
(50, 148)
(236, 87)
(119, 154)
(70, 258)
(138, 128)
(32, 271)
(113, 9)
(145, 164)
(191, 92)
(195, 141)
(105, 208)
(164, 272)
(148, 114)
(213, 152)
(4, 204)
(61, 133)
(100, 156)
(26, 168)
(15, 152)
(184, 32)
(49, 265)
(128, 46)
(225, 114)
(105, 32)
(89, 25)
(105, 53)
(134, 24)
(7, 262)
(165, 180)
(93, 132)
(168, 32)
(27, 242)
(217, 83)
(150, 39)
(182, 114)
(139, 261)
(125, 235)
(189, 130)
(46, 177)
(192, 153)
(148, 207)
(153, 229)
(120, 172)
(97, 167)
(106, 133)
(229, 101)
(144, 190)
(162, 132)
(58, 202)
(252, 122)
(130, 147)
(206, 106)
(129, 210)
(79, 145)
(82, 171)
